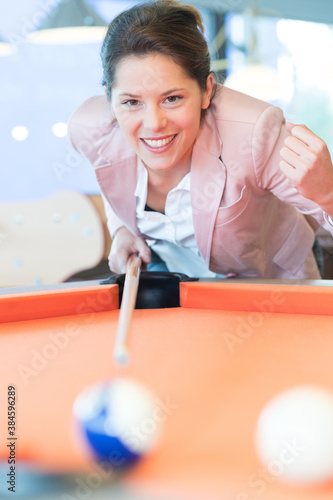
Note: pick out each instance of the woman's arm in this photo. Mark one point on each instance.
(309, 193)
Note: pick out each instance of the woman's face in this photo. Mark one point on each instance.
(158, 108)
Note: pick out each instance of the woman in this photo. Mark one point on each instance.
(196, 177)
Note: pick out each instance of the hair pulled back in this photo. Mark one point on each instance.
(161, 27)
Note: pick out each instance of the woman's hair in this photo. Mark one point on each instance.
(161, 27)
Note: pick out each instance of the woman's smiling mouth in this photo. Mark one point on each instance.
(159, 143)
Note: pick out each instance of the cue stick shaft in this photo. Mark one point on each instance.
(130, 291)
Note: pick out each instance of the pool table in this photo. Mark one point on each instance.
(212, 363)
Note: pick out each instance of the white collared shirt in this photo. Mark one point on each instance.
(171, 235)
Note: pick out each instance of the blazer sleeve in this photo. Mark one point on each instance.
(268, 139)
(88, 129)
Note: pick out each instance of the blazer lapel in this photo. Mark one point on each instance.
(208, 176)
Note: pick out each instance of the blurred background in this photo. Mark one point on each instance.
(280, 51)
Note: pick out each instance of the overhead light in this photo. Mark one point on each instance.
(70, 22)
(20, 133)
(59, 129)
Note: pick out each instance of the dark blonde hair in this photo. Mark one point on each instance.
(161, 27)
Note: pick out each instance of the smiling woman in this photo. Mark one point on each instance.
(197, 178)
(162, 122)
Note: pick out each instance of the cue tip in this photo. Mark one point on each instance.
(121, 356)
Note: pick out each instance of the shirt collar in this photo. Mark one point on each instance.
(142, 181)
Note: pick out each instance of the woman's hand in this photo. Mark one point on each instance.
(307, 164)
(125, 244)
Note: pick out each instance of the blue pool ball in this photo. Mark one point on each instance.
(117, 419)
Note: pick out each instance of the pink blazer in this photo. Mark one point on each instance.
(247, 216)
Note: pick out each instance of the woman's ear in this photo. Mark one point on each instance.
(208, 92)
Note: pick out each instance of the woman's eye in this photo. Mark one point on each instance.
(173, 98)
(131, 103)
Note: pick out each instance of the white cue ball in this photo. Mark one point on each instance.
(294, 435)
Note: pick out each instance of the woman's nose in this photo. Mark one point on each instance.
(154, 119)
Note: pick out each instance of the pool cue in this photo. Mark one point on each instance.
(130, 292)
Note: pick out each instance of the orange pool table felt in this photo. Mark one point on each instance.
(212, 363)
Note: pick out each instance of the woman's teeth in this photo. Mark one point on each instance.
(158, 143)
